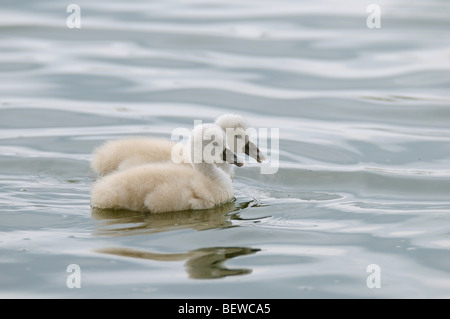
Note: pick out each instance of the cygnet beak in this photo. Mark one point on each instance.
(253, 151)
(229, 157)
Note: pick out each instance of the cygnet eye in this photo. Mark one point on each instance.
(238, 136)
(215, 144)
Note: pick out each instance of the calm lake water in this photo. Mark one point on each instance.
(364, 147)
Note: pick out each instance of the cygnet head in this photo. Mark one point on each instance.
(208, 145)
(238, 138)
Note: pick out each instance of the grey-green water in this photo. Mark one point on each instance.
(364, 150)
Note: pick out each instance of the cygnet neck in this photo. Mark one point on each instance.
(211, 170)
(197, 146)
(226, 167)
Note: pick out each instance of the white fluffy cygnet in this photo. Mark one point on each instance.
(167, 186)
(124, 153)
(238, 139)
(127, 152)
